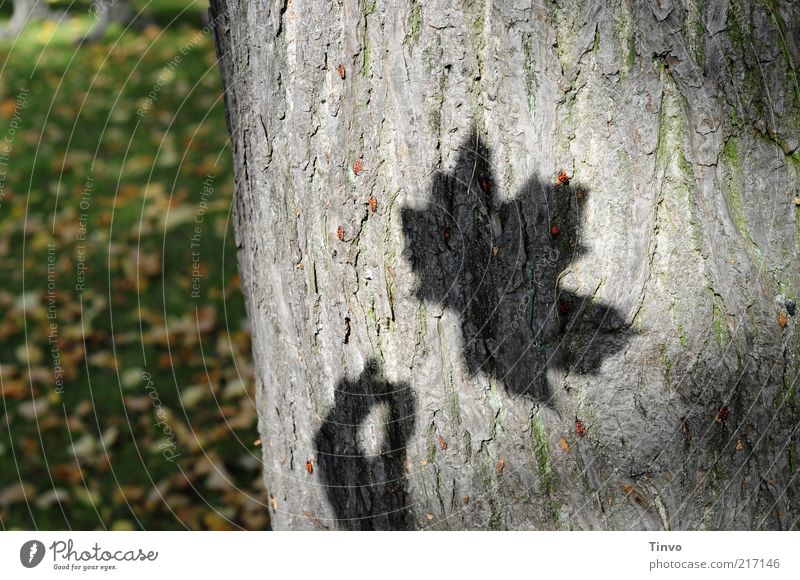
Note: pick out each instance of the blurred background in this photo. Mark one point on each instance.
(125, 368)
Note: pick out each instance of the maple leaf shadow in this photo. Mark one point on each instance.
(497, 262)
(367, 491)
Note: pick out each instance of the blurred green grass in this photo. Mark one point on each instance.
(82, 160)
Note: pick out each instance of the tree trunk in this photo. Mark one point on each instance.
(25, 12)
(520, 265)
(107, 13)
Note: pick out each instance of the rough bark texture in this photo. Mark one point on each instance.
(435, 363)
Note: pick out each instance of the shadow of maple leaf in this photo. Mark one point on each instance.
(498, 262)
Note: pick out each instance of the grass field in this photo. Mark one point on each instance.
(127, 384)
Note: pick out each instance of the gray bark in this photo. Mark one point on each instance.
(436, 366)
(107, 13)
(25, 12)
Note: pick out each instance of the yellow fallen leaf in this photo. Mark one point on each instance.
(216, 523)
(564, 445)
(123, 526)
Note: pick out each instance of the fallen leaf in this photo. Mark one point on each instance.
(192, 396)
(219, 479)
(47, 499)
(17, 492)
(33, 409)
(14, 390)
(127, 493)
(140, 404)
(110, 437)
(84, 447)
(7, 108)
(66, 472)
(123, 526)
(29, 354)
(564, 445)
(255, 520)
(235, 388)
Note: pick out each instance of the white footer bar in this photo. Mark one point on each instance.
(352, 556)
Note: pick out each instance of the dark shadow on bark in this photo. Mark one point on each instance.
(367, 492)
(497, 262)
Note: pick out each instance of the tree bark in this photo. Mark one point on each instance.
(520, 265)
(25, 12)
(108, 13)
